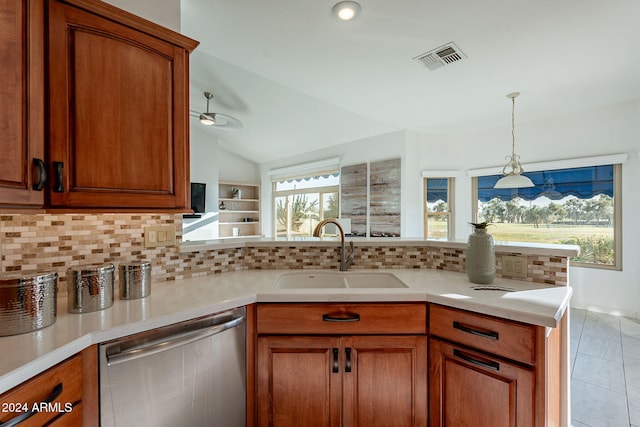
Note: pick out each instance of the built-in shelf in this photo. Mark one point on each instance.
(239, 205)
(242, 222)
(191, 216)
(226, 199)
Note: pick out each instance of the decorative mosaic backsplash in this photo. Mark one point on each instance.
(42, 243)
(32, 243)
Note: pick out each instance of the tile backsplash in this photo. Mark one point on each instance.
(32, 243)
(48, 242)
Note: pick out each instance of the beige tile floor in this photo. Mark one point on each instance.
(605, 370)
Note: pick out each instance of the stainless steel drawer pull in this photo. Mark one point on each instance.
(494, 366)
(57, 391)
(347, 317)
(485, 334)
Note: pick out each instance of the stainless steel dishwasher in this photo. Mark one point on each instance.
(187, 374)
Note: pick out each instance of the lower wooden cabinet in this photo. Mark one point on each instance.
(354, 365)
(469, 388)
(376, 364)
(488, 371)
(342, 381)
(65, 395)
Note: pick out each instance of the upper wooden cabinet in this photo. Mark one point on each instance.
(21, 103)
(95, 108)
(118, 109)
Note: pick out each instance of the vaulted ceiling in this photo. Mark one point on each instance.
(300, 80)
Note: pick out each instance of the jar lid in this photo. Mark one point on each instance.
(21, 279)
(90, 269)
(135, 265)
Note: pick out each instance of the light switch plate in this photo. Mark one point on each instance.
(514, 266)
(159, 235)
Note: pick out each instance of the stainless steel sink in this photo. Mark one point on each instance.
(338, 279)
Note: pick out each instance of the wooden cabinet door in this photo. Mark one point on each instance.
(299, 381)
(118, 104)
(61, 385)
(21, 101)
(468, 388)
(387, 383)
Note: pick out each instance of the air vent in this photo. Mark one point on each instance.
(441, 56)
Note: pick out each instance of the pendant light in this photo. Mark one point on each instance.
(512, 170)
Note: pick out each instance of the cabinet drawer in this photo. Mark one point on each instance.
(313, 318)
(71, 419)
(504, 338)
(67, 375)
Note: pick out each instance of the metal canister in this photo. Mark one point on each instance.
(135, 279)
(27, 302)
(89, 288)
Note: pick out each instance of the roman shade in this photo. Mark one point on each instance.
(581, 182)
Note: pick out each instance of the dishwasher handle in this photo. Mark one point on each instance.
(170, 342)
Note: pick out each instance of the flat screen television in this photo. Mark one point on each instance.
(198, 195)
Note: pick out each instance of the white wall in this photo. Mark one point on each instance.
(165, 12)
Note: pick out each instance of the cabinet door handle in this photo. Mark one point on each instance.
(336, 368)
(485, 334)
(58, 187)
(347, 366)
(57, 391)
(495, 366)
(42, 175)
(347, 317)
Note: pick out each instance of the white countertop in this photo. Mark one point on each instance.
(26, 355)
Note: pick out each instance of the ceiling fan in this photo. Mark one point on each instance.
(217, 120)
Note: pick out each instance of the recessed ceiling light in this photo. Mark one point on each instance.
(346, 10)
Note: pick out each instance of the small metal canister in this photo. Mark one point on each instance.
(135, 279)
(89, 288)
(27, 302)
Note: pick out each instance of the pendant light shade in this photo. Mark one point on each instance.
(513, 170)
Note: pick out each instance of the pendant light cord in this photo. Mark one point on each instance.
(513, 127)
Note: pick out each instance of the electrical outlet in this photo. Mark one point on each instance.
(514, 266)
(160, 235)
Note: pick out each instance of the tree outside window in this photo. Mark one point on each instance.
(301, 203)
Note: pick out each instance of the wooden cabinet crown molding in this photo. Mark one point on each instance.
(126, 18)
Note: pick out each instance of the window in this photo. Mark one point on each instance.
(579, 206)
(438, 208)
(300, 203)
